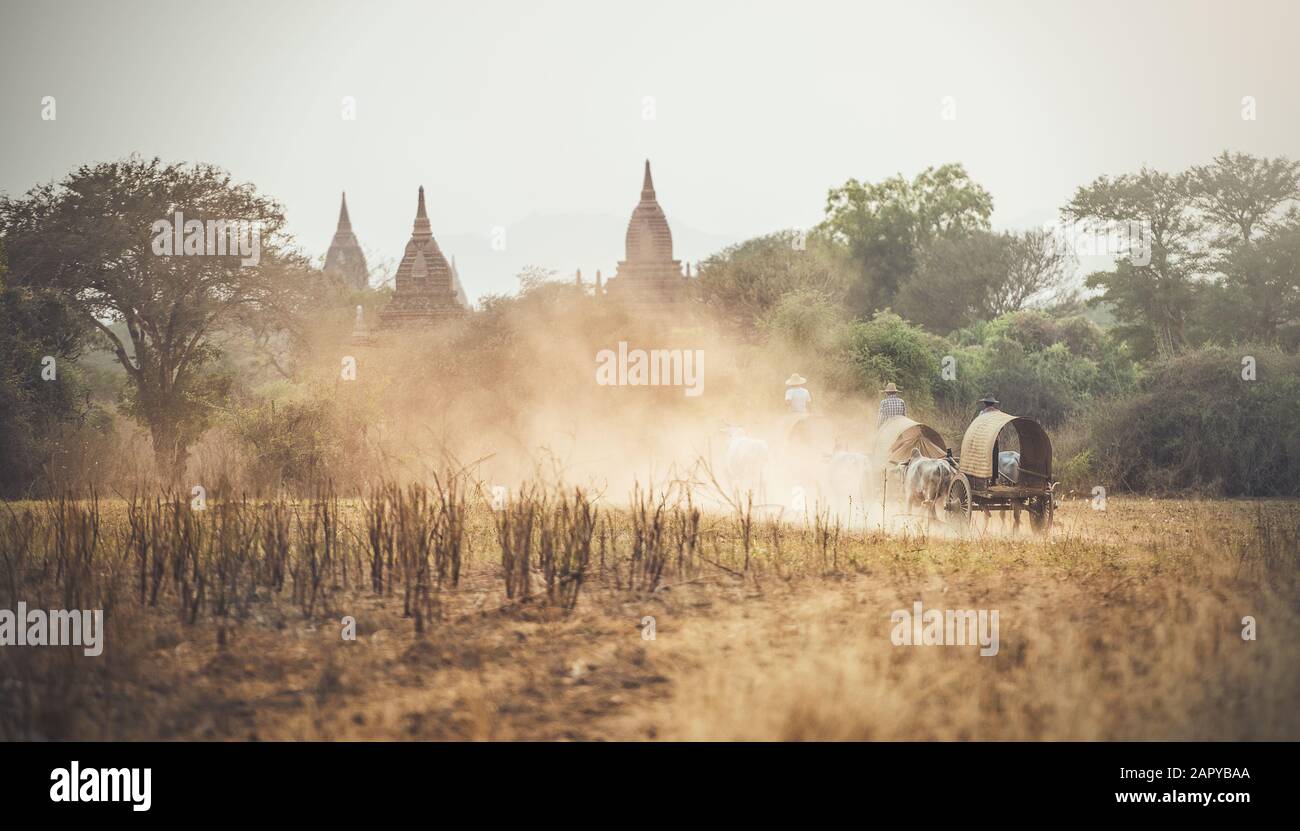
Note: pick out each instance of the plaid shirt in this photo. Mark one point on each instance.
(890, 406)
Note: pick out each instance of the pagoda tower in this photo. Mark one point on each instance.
(425, 289)
(648, 278)
(344, 260)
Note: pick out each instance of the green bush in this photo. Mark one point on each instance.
(805, 320)
(1038, 366)
(42, 419)
(299, 442)
(1196, 424)
(1077, 473)
(745, 282)
(888, 348)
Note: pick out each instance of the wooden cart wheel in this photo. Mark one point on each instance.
(958, 503)
(1040, 513)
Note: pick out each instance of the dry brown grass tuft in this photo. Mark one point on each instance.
(534, 621)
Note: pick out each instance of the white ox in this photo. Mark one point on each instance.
(926, 481)
(1009, 465)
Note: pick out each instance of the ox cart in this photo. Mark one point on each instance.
(891, 451)
(977, 485)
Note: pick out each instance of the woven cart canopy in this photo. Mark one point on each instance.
(897, 437)
(977, 447)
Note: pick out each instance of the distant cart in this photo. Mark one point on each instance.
(977, 486)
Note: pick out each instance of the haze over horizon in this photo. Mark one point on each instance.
(530, 117)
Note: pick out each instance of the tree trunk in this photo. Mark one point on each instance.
(169, 452)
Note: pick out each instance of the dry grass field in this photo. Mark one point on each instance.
(226, 623)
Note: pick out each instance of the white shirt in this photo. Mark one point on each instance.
(798, 398)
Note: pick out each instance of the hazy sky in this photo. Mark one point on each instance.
(530, 115)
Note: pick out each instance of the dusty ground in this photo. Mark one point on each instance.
(1123, 624)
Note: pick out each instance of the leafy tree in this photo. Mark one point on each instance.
(1038, 270)
(1251, 204)
(1150, 291)
(1041, 366)
(93, 239)
(955, 281)
(1035, 329)
(886, 225)
(744, 282)
(888, 348)
(981, 276)
(1244, 193)
(37, 398)
(1258, 296)
(804, 319)
(1046, 384)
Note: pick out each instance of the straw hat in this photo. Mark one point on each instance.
(796, 380)
(890, 387)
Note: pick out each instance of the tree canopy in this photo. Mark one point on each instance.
(886, 225)
(99, 238)
(1220, 263)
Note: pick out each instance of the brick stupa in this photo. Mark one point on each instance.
(649, 279)
(425, 288)
(344, 261)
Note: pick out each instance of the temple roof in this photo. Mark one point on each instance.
(345, 258)
(423, 266)
(421, 227)
(425, 288)
(345, 222)
(649, 240)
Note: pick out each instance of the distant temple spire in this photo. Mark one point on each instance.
(345, 222)
(648, 279)
(426, 288)
(345, 260)
(422, 226)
